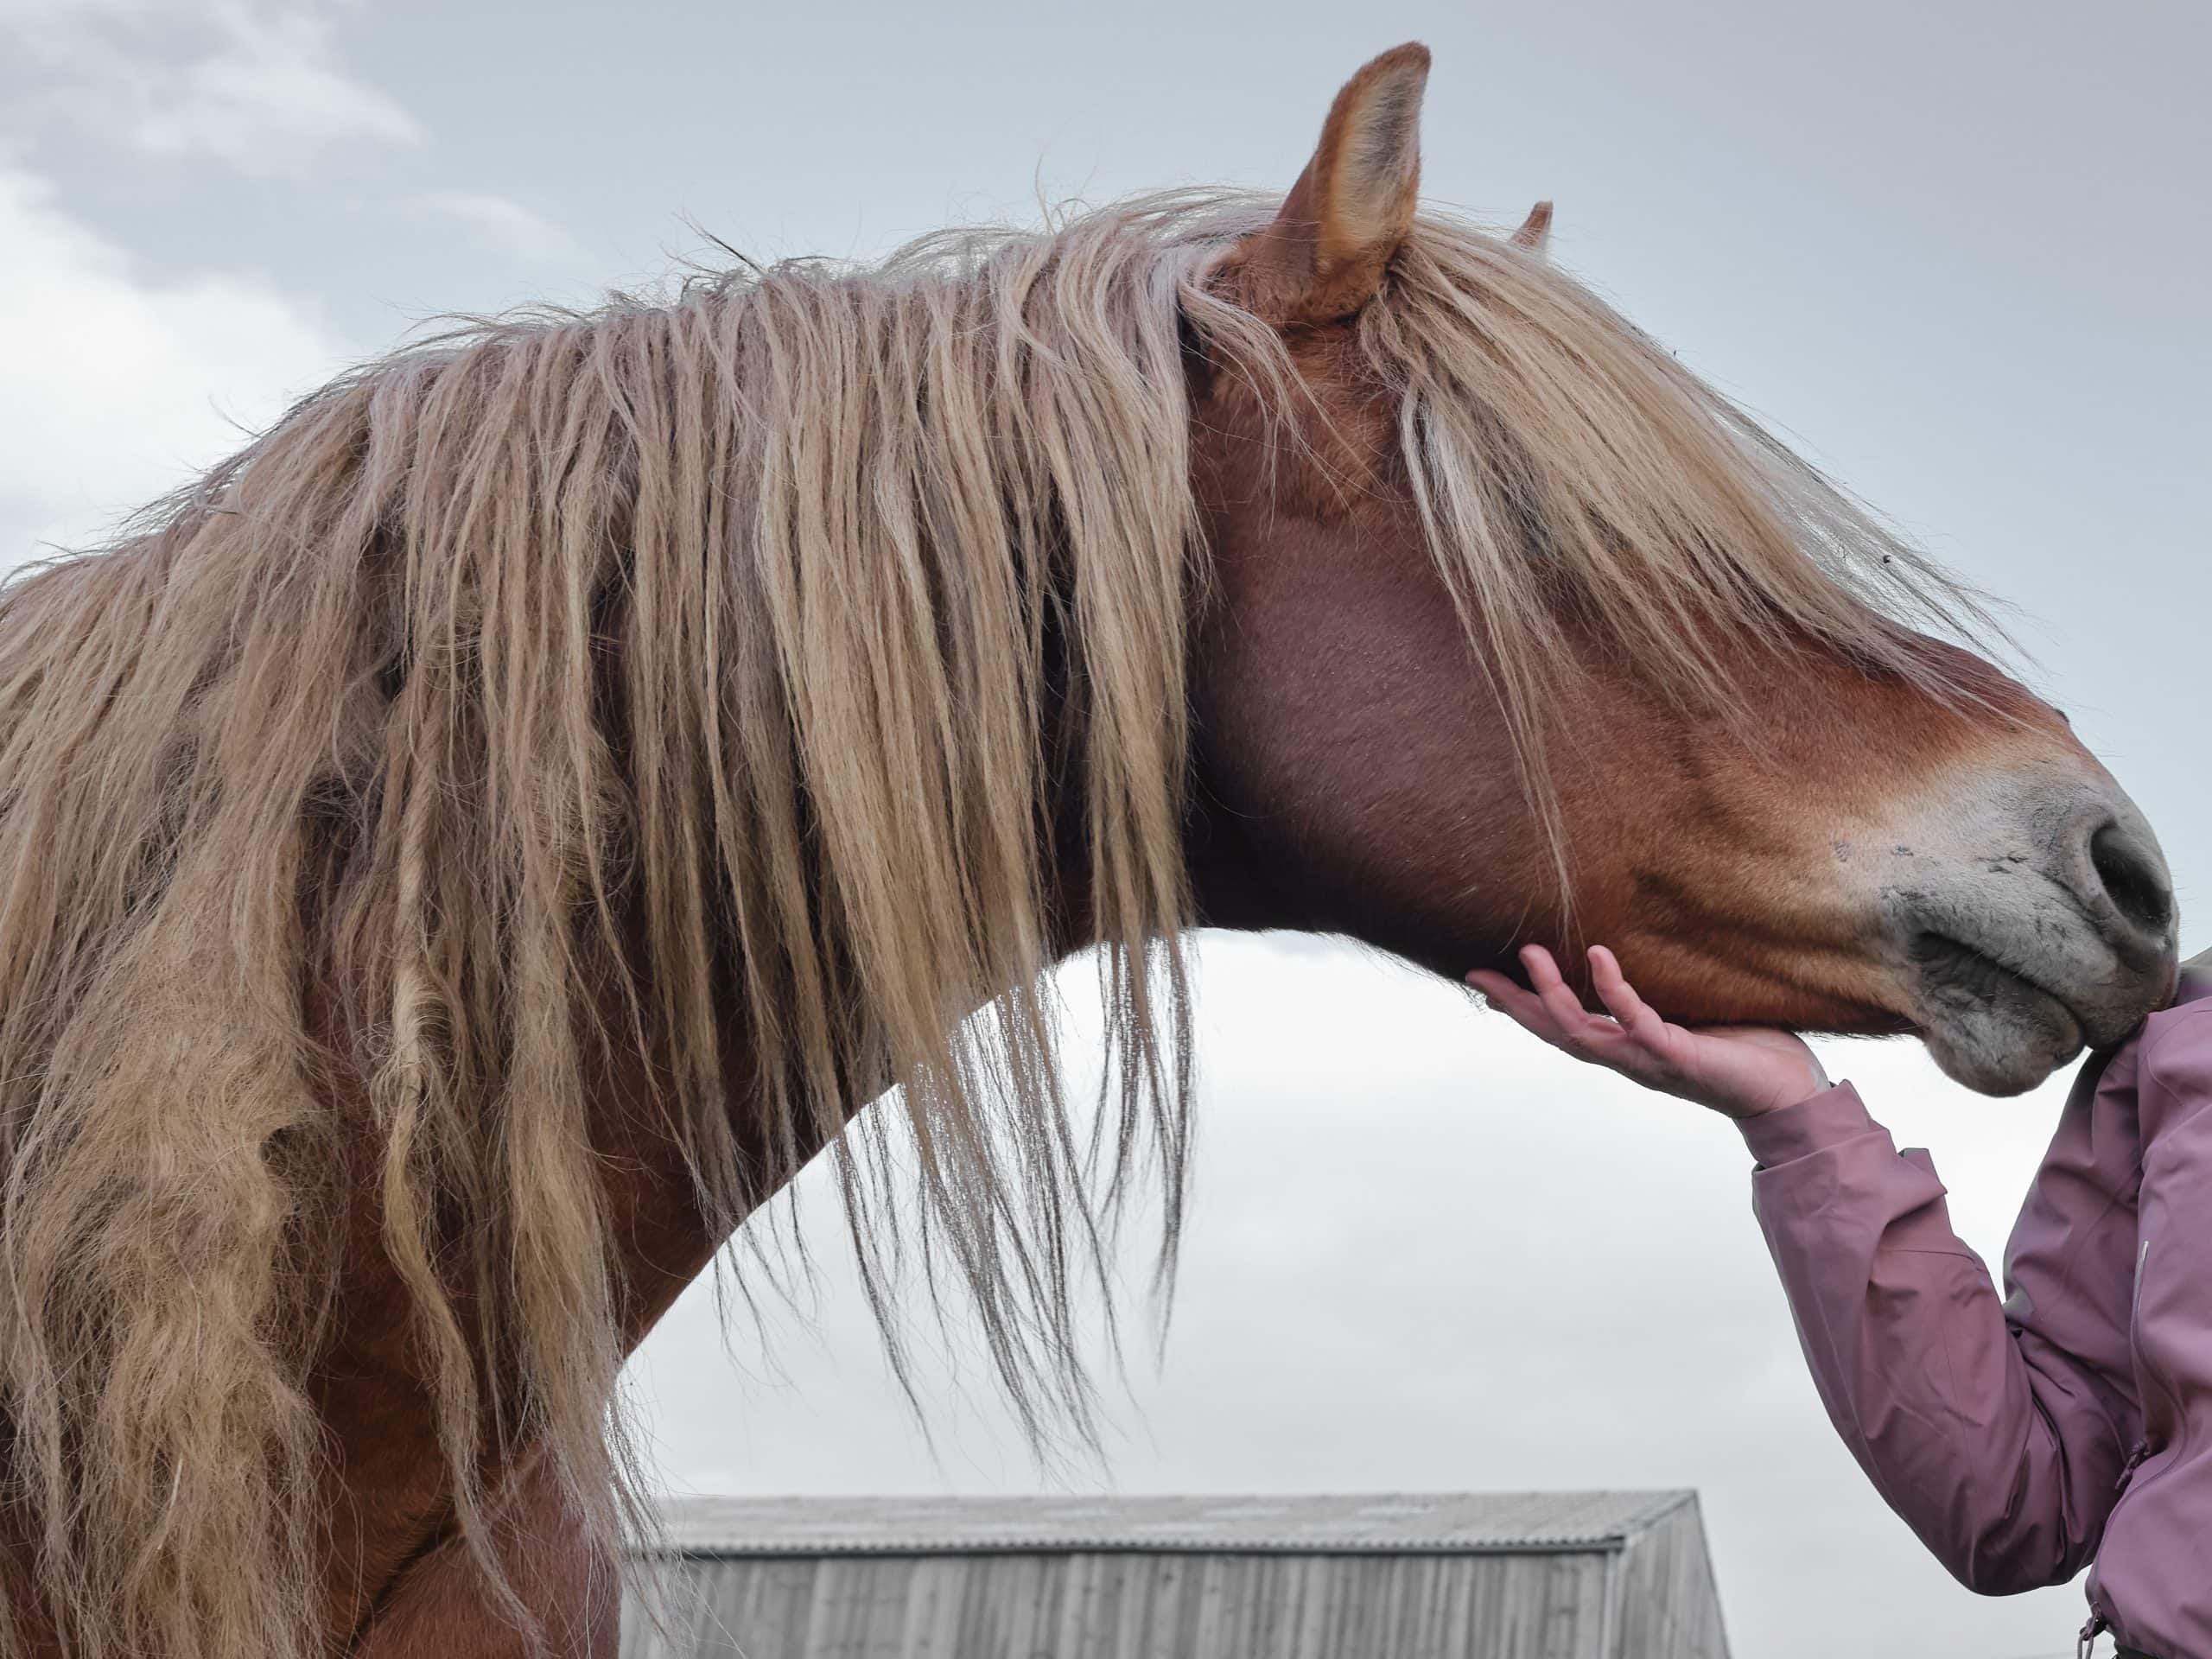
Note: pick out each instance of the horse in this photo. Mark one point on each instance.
(468, 850)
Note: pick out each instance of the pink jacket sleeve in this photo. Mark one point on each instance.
(1997, 1428)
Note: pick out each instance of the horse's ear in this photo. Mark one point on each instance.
(1324, 256)
(1535, 231)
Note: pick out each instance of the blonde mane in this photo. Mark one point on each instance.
(674, 679)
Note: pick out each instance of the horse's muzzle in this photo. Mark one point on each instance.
(2028, 916)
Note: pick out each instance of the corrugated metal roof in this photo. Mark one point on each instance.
(1423, 1522)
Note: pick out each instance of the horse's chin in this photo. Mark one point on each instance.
(1987, 1026)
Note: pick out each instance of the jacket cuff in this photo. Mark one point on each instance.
(1814, 1124)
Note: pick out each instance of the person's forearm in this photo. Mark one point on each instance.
(1989, 1442)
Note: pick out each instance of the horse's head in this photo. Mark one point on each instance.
(1691, 701)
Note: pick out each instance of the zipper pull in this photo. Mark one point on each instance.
(2142, 1450)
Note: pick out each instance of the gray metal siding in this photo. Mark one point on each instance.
(1311, 1523)
(1465, 1575)
(1124, 1605)
(1669, 1605)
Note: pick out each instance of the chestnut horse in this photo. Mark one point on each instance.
(475, 845)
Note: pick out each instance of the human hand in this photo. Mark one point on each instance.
(1738, 1070)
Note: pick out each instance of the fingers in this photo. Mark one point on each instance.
(1559, 999)
(1528, 1009)
(1550, 1007)
(1543, 966)
(1635, 1041)
(1527, 1006)
(1544, 978)
(1523, 1008)
(1619, 996)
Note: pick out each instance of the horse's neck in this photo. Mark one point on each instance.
(662, 1237)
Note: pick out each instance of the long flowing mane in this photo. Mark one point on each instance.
(698, 678)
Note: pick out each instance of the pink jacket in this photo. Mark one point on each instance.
(2071, 1420)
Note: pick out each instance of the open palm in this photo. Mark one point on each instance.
(1740, 1070)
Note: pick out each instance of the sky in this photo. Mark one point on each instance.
(1956, 253)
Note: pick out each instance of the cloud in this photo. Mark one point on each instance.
(115, 388)
(505, 224)
(253, 83)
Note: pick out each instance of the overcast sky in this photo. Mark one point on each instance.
(1958, 251)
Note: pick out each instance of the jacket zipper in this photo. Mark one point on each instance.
(2142, 1450)
(2134, 1462)
(2136, 1454)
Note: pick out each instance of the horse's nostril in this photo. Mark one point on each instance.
(2132, 878)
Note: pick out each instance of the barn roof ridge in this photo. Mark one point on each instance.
(1315, 1523)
